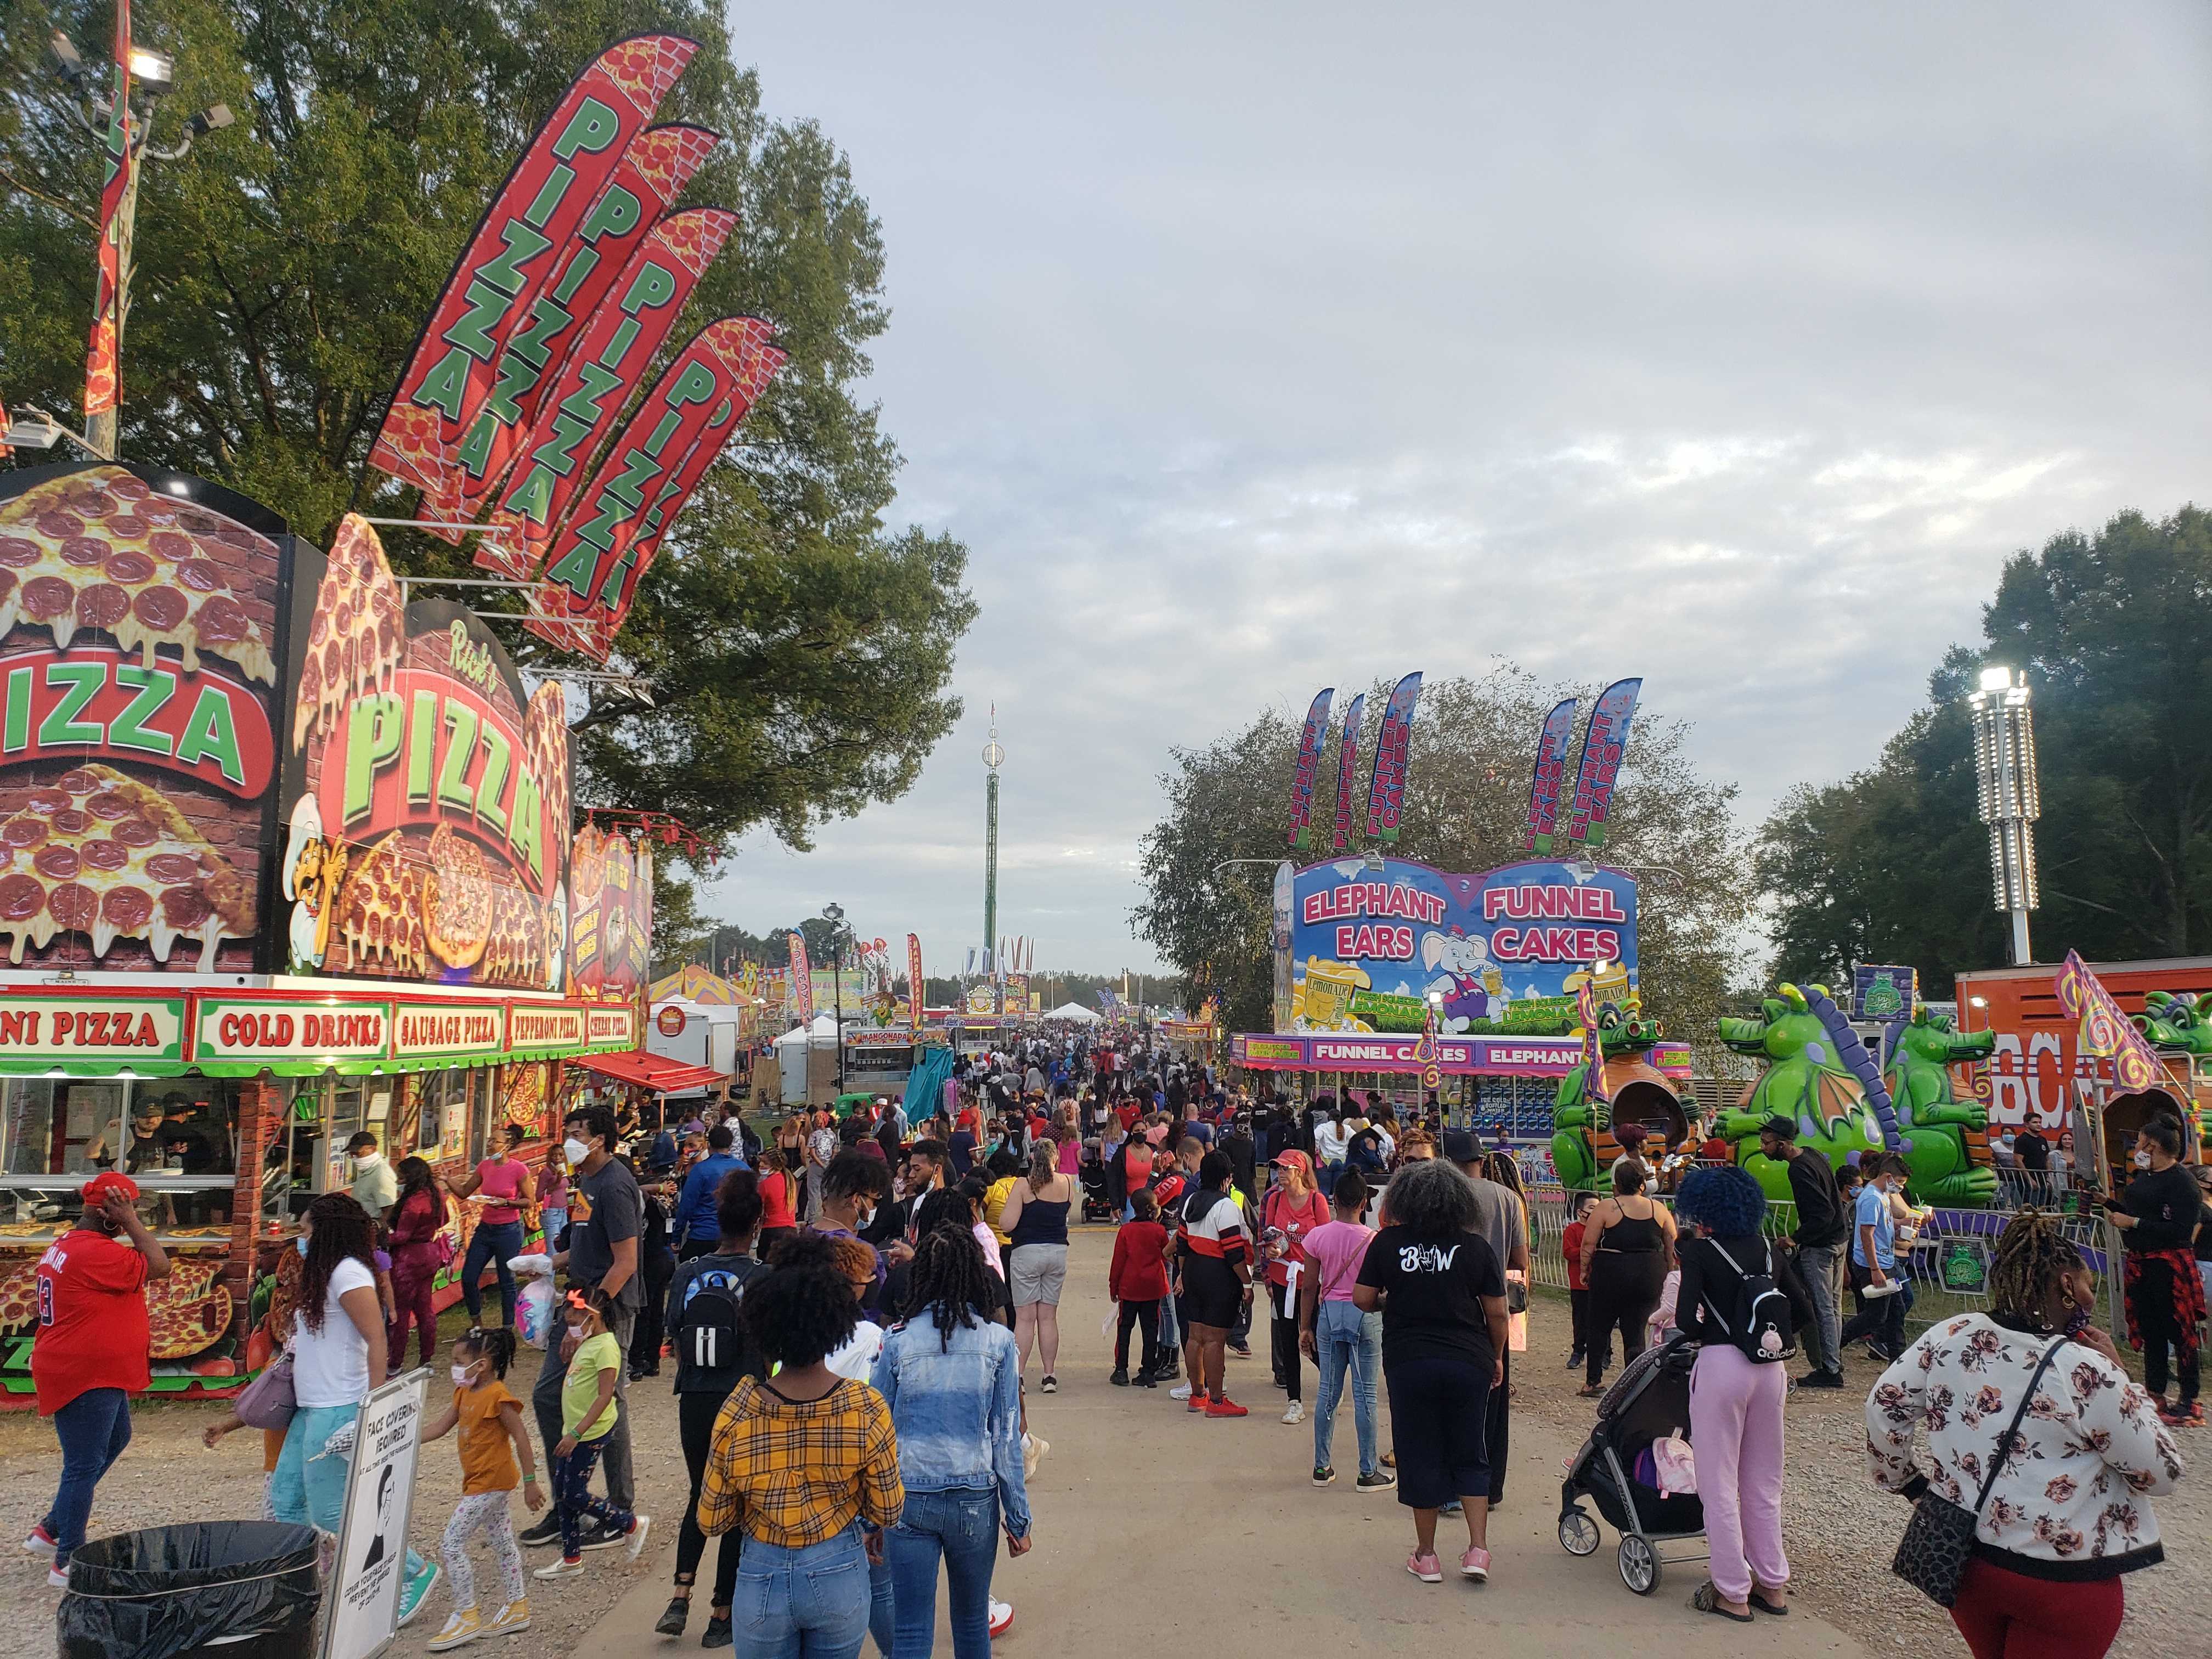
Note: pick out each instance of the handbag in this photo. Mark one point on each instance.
(267, 1402)
(1939, 1540)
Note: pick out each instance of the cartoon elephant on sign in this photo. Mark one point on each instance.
(1472, 988)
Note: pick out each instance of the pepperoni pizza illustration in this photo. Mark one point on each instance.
(359, 633)
(102, 854)
(99, 551)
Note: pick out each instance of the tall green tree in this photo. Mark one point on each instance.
(1892, 864)
(1467, 800)
(796, 648)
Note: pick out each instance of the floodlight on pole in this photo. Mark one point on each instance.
(2007, 794)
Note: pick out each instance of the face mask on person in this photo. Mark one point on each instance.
(577, 1150)
(461, 1374)
(302, 1243)
(363, 1160)
(2142, 1160)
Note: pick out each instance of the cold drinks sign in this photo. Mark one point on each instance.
(1367, 949)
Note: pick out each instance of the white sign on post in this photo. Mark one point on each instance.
(362, 1596)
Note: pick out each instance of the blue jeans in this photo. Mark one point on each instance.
(94, 1429)
(883, 1605)
(492, 1242)
(809, 1603)
(1345, 1336)
(309, 1486)
(961, 1523)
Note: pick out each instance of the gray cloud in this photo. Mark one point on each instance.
(1251, 349)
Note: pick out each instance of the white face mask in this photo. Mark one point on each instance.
(461, 1376)
(2142, 1160)
(362, 1160)
(577, 1150)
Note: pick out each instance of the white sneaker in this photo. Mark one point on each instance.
(57, 1578)
(1181, 1391)
(1296, 1414)
(1034, 1447)
(639, 1526)
(1002, 1617)
(561, 1567)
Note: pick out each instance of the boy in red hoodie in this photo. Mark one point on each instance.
(1570, 1241)
(1137, 1280)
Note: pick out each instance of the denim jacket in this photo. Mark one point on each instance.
(958, 1410)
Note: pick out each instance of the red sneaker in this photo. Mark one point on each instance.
(1197, 1400)
(1225, 1407)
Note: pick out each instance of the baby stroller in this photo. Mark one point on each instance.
(1092, 1177)
(1649, 1399)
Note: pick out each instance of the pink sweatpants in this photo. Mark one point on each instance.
(1736, 1430)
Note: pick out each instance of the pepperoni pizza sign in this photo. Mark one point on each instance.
(139, 629)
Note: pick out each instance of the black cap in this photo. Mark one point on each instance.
(1461, 1146)
(1781, 1128)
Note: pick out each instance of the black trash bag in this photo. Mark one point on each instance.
(166, 1590)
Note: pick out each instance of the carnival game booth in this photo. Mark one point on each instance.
(282, 858)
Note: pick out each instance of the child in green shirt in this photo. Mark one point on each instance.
(587, 1413)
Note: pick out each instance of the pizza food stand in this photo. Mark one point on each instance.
(282, 858)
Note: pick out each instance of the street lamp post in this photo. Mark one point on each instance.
(834, 914)
(154, 74)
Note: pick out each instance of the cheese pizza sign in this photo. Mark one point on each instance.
(139, 631)
(427, 798)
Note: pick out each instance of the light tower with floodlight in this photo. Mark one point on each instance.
(2005, 785)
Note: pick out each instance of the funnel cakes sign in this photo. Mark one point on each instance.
(427, 796)
(138, 628)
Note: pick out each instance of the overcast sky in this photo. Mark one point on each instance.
(1250, 348)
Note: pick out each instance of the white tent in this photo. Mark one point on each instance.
(1076, 1012)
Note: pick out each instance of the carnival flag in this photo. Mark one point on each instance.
(617, 348)
(659, 163)
(1302, 782)
(1425, 1050)
(523, 235)
(1347, 770)
(103, 388)
(1593, 1047)
(1603, 746)
(802, 979)
(611, 535)
(2106, 1033)
(916, 1004)
(1394, 744)
(1551, 777)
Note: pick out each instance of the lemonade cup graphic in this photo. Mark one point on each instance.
(1328, 989)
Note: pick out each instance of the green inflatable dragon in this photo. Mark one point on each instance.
(1576, 1120)
(1942, 1132)
(2181, 1020)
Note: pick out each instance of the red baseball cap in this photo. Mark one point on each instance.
(94, 1192)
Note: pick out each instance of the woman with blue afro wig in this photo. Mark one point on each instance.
(1735, 1399)
(1724, 1200)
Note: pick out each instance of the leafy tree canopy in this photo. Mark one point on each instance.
(1467, 802)
(796, 649)
(2115, 633)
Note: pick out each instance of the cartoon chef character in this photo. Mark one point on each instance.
(314, 870)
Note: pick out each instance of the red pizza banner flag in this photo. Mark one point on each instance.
(602, 374)
(917, 1013)
(1386, 791)
(653, 171)
(103, 388)
(522, 236)
(612, 534)
(1310, 739)
(1550, 777)
(1347, 770)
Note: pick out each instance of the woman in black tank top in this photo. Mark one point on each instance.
(1627, 1246)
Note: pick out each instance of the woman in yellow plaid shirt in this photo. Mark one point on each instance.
(805, 1462)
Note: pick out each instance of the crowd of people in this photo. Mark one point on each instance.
(859, 1309)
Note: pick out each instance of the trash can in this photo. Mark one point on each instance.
(224, 1589)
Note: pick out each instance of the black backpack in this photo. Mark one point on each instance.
(1759, 1323)
(710, 1341)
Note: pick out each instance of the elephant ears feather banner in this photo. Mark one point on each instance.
(1347, 770)
(1310, 740)
(610, 536)
(1604, 744)
(1550, 779)
(522, 237)
(1393, 746)
(659, 163)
